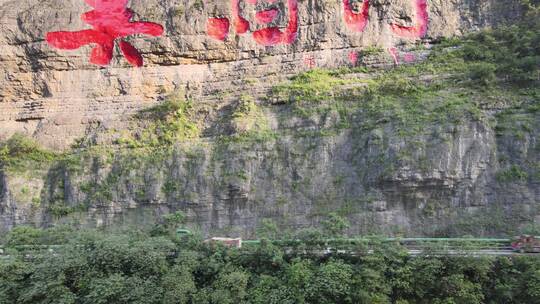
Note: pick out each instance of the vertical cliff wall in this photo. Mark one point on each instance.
(431, 154)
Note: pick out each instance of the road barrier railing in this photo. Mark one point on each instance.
(339, 245)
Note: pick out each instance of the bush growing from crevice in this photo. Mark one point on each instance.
(172, 121)
(483, 73)
(316, 85)
(20, 148)
(513, 174)
(248, 117)
(335, 225)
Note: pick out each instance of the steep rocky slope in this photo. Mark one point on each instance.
(215, 129)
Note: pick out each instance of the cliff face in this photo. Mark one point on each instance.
(454, 177)
(57, 95)
(455, 180)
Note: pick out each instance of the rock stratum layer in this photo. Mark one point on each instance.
(449, 181)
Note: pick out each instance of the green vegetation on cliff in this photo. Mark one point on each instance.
(165, 124)
(20, 150)
(461, 79)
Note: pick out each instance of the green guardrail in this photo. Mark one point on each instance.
(331, 241)
(183, 232)
(388, 240)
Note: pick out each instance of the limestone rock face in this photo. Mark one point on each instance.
(380, 181)
(57, 96)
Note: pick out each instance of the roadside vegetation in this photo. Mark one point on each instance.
(157, 266)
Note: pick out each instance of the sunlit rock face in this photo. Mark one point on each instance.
(60, 94)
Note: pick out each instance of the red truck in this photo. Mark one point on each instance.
(526, 244)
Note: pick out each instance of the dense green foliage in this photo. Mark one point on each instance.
(136, 267)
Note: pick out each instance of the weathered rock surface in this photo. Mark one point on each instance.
(450, 181)
(57, 96)
(382, 182)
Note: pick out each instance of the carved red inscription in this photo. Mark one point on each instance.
(419, 30)
(353, 57)
(110, 20)
(269, 36)
(310, 62)
(218, 28)
(394, 53)
(357, 20)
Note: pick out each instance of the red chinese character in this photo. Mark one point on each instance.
(409, 58)
(218, 28)
(353, 57)
(356, 21)
(419, 30)
(309, 61)
(110, 21)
